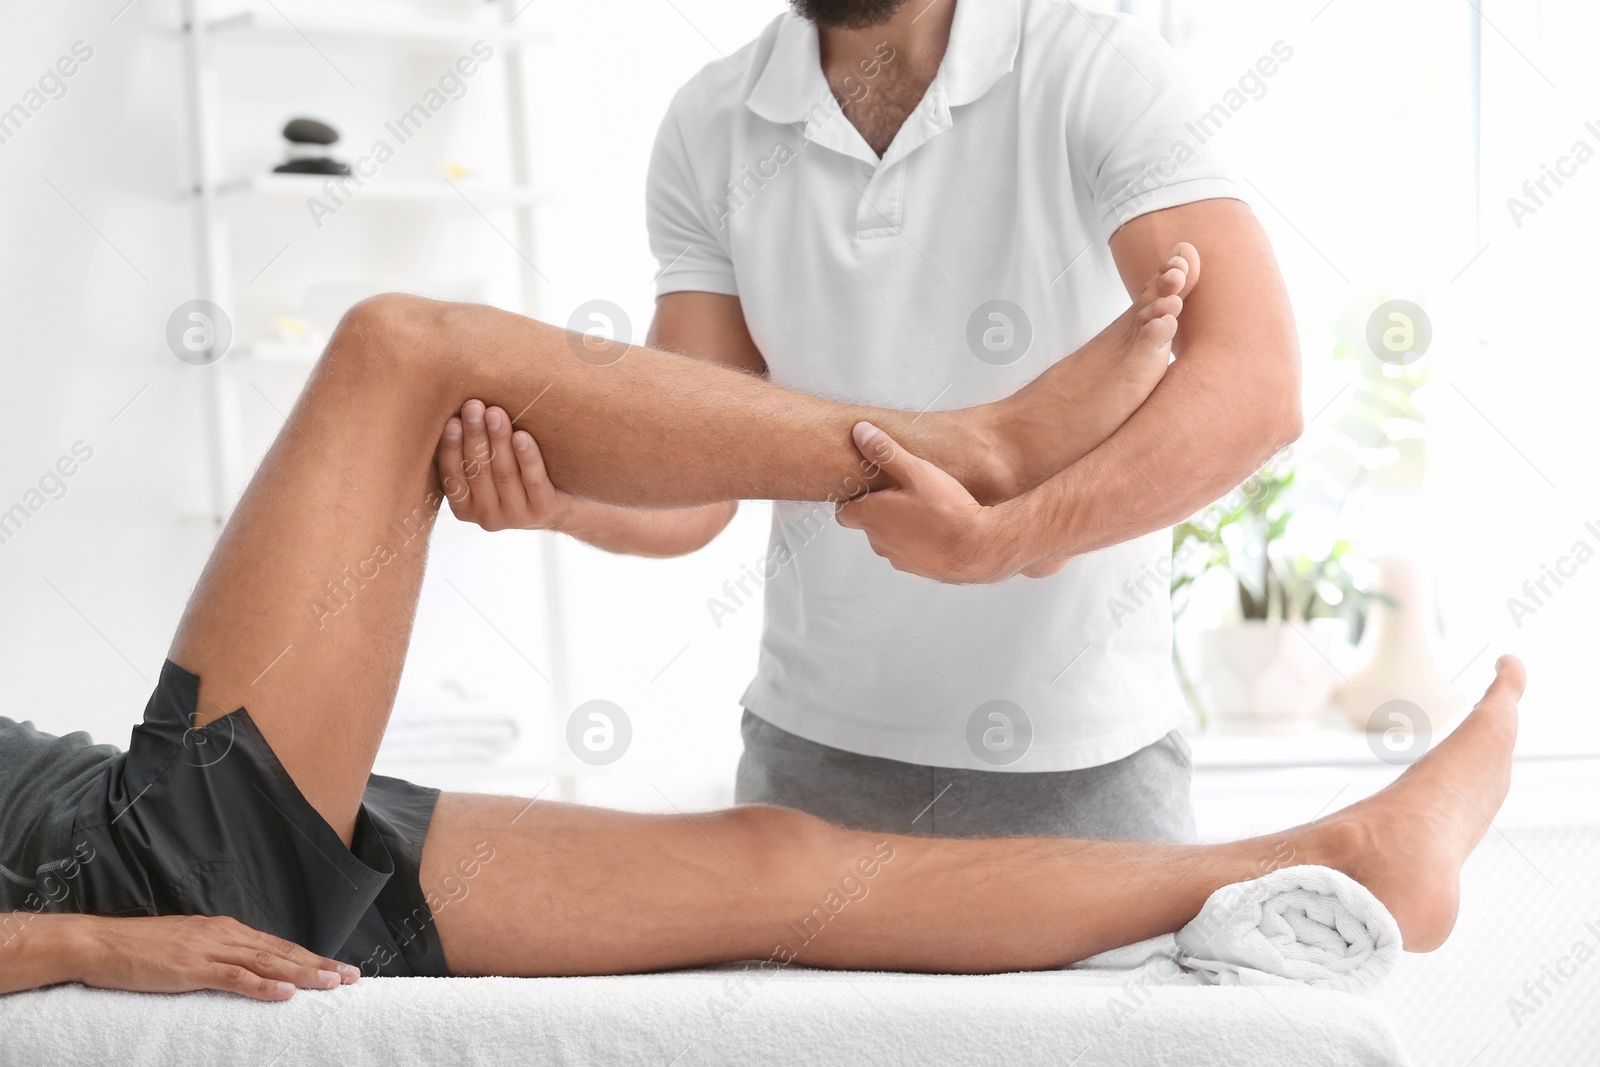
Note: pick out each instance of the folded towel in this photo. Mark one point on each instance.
(1298, 924)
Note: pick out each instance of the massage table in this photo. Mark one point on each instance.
(1107, 1013)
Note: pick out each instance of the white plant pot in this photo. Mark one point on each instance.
(1401, 661)
(1269, 677)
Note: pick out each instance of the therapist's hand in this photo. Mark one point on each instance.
(929, 524)
(494, 476)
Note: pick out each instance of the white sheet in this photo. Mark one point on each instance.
(1145, 1014)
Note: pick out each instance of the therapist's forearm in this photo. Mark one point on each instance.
(1198, 436)
(1228, 402)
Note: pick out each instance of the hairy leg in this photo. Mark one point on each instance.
(575, 890)
(536, 888)
(664, 412)
(303, 613)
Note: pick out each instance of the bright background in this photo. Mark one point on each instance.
(1380, 159)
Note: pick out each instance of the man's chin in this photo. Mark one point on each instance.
(847, 14)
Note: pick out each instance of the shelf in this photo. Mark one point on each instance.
(298, 25)
(1332, 748)
(414, 191)
(273, 354)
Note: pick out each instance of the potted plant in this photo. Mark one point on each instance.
(1271, 667)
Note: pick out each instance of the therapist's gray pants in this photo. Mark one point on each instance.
(1142, 797)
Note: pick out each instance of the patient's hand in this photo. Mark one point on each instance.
(169, 954)
(929, 524)
(495, 477)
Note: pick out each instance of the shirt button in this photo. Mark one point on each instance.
(868, 168)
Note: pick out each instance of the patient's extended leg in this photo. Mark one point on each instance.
(572, 890)
(304, 611)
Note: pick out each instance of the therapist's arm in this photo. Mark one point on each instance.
(1230, 400)
(495, 477)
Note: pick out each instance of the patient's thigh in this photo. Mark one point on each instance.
(530, 888)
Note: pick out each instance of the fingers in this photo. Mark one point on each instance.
(296, 956)
(504, 472)
(476, 451)
(530, 461)
(263, 967)
(876, 513)
(451, 478)
(878, 447)
(850, 513)
(867, 513)
(264, 963)
(494, 474)
(181, 953)
(233, 978)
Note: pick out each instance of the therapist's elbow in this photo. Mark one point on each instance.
(1279, 418)
(1286, 423)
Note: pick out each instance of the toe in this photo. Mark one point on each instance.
(1191, 257)
(1158, 333)
(1165, 305)
(1510, 679)
(1168, 283)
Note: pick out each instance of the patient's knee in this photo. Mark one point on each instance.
(775, 840)
(415, 339)
(392, 333)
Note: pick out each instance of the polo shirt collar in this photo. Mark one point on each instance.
(983, 49)
(791, 82)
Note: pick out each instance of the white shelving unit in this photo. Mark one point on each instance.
(300, 186)
(399, 28)
(393, 26)
(364, 29)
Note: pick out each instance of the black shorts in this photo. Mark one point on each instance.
(207, 822)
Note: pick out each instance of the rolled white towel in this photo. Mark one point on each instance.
(1298, 924)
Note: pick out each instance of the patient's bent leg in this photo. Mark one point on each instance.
(304, 611)
(725, 434)
(537, 888)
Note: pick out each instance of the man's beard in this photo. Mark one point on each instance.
(847, 14)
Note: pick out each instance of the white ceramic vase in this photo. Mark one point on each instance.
(1269, 676)
(1401, 661)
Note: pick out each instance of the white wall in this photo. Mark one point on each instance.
(96, 253)
(95, 581)
(1361, 149)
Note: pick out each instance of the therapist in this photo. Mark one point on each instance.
(924, 205)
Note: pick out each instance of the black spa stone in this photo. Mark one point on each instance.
(309, 131)
(312, 166)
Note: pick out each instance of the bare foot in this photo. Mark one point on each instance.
(1072, 407)
(1407, 843)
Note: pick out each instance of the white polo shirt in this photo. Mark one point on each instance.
(1046, 128)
